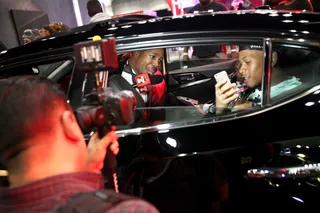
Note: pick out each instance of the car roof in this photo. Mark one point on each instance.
(245, 20)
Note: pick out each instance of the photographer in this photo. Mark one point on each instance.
(46, 156)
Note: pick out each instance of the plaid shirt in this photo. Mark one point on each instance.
(47, 194)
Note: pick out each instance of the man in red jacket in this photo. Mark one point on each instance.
(146, 61)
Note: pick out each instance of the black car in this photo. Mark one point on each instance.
(190, 156)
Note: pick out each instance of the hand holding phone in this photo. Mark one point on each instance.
(222, 77)
(226, 92)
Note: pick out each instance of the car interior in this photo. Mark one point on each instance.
(305, 66)
(186, 80)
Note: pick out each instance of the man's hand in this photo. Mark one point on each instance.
(242, 105)
(97, 150)
(225, 93)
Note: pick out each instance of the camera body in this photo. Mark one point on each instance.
(106, 108)
(102, 107)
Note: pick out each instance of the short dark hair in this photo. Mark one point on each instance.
(94, 7)
(25, 106)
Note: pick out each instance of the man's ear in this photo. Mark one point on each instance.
(274, 58)
(71, 127)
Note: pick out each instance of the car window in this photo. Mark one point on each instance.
(21, 70)
(294, 69)
(188, 77)
(193, 71)
(47, 69)
(58, 71)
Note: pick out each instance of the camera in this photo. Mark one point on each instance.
(106, 108)
(101, 106)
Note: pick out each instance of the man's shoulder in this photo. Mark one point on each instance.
(194, 8)
(217, 6)
(100, 17)
(105, 201)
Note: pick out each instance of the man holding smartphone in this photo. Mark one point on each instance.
(247, 93)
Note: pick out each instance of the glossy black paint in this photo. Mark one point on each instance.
(238, 143)
(221, 22)
(279, 124)
(290, 121)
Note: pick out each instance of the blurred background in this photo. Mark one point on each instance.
(17, 16)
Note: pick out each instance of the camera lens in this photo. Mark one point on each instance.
(131, 96)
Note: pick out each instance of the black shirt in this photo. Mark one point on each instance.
(297, 5)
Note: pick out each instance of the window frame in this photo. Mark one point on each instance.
(191, 41)
(169, 40)
(266, 105)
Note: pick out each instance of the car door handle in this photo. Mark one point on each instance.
(183, 78)
(187, 77)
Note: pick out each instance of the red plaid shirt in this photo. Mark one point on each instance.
(47, 194)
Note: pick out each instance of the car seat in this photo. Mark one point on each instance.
(308, 73)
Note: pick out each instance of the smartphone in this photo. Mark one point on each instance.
(222, 76)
